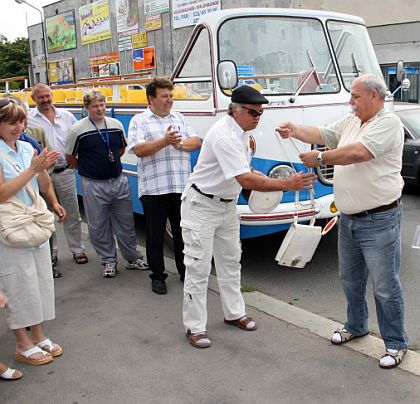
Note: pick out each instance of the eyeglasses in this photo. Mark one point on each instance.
(253, 112)
(6, 101)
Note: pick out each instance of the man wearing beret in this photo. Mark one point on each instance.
(209, 220)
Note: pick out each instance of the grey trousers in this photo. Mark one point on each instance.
(109, 211)
(65, 188)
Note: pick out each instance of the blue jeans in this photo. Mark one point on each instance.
(371, 246)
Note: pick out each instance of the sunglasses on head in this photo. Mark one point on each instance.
(253, 112)
(6, 101)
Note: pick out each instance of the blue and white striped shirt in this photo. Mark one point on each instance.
(166, 171)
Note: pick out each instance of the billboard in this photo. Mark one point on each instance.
(61, 32)
(187, 12)
(104, 65)
(144, 58)
(94, 22)
(152, 7)
(127, 17)
(61, 71)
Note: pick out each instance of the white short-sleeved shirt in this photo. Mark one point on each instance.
(225, 154)
(56, 132)
(377, 182)
(166, 171)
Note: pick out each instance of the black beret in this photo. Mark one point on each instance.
(248, 95)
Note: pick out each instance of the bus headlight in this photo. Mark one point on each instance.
(281, 172)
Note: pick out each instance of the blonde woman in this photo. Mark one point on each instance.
(25, 273)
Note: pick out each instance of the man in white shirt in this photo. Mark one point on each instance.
(210, 223)
(56, 123)
(366, 150)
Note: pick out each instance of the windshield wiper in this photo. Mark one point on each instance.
(356, 70)
(292, 99)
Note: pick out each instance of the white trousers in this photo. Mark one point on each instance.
(210, 228)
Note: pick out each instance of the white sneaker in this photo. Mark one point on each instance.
(110, 269)
(139, 264)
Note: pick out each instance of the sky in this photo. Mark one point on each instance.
(14, 17)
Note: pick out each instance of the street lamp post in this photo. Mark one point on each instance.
(43, 35)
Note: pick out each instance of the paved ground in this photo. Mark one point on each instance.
(125, 344)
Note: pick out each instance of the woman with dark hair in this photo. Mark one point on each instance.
(25, 273)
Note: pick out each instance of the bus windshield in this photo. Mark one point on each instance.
(354, 51)
(279, 55)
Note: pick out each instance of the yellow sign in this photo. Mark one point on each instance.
(94, 22)
(139, 40)
(153, 22)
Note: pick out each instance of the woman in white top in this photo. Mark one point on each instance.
(25, 273)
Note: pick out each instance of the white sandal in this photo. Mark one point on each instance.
(9, 375)
(24, 357)
(49, 344)
(392, 358)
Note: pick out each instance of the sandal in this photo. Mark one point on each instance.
(24, 357)
(199, 339)
(80, 258)
(341, 335)
(11, 374)
(392, 358)
(48, 346)
(244, 323)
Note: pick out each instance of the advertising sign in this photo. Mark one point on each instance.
(127, 17)
(144, 58)
(94, 22)
(139, 40)
(104, 65)
(152, 7)
(153, 22)
(61, 71)
(187, 12)
(61, 32)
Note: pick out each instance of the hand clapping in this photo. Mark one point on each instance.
(44, 160)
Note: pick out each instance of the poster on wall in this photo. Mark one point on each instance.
(139, 40)
(187, 12)
(153, 22)
(105, 65)
(152, 7)
(61, 32)
(61, 71)
(144, 58)
(94, 22)
(127, 16)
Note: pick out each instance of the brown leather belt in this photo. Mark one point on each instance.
(383, 208)
(209, 195)
(60, 169)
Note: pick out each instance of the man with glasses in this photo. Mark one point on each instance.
(210, 223)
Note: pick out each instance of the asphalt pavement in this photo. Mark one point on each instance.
(122, 343)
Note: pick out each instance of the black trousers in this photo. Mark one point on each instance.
(157, 209)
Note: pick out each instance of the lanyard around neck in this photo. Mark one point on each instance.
(105, 138)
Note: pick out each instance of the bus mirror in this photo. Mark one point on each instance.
(226, 74)
(400, 70)
(405, 84)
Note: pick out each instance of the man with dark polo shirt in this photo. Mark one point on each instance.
(94, 145)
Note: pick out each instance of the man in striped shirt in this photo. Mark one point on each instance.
(163, 141)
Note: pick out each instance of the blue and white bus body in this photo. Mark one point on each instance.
(303, 61)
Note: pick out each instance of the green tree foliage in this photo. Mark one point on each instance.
(14, 57)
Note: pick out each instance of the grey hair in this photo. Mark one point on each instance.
(234, 105)
(372, 82)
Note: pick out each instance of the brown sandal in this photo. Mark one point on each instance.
(199, 339)
(244, 323)
(80, 258)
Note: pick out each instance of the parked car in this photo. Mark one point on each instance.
(410, 116)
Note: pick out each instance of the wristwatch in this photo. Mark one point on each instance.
(181, 145)
(319, 158)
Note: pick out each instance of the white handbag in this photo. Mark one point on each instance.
(23, 226)
(301, 240)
